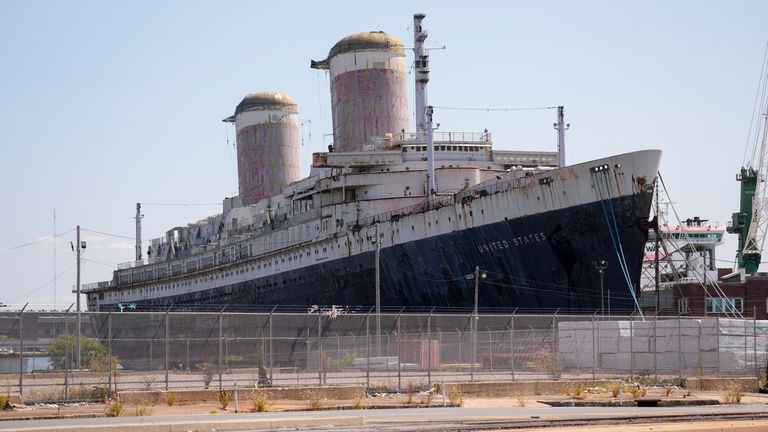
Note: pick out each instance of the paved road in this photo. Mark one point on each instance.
(363, 419)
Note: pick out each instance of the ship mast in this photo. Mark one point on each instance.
(423, 112)
(561, 127)
(139, 216)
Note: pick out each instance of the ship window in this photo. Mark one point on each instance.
(442, 148)
(453, 148)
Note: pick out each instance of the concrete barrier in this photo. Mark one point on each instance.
(243, 394)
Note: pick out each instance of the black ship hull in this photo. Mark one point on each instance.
(544, 262)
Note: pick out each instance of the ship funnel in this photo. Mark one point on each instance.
(267, 128)
(369, 92)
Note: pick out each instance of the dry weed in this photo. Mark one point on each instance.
(260, 401)
(732, 392)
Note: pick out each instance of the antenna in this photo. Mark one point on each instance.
(54, 258)
(139, 216)
(424, 112)
(561, 127)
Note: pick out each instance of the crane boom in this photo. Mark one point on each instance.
(758, 225)
(751, 222)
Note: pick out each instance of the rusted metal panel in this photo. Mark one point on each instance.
(368, 103)
(267, 159)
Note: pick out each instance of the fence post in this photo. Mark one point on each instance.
(66, 353)
(554, 343)
(745, 343)
(167, 316)
(680, 347)
(151, 345)
(655, 350)
(461, 353)
(717, 329)
(429, 349)
(320, 356)
(271, 366)
(221, 341)
(109, 349)
(399, 355)
(698, 348)
(754, 341)
(594, 348)
(473, 357)
(490, 347)
(631, 347)
(512, 343)
(21, 354)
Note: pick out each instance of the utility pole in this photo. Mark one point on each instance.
(77, 253)
(475, 319)
(377, 242)
(601, 266)
(21, 351)
(477, 287)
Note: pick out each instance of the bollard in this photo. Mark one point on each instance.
(237, 402)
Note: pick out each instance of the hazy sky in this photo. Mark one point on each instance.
(105, 104)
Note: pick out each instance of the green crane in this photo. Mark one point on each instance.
(740, 222)
(751, 222)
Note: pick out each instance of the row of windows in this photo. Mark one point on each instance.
(444, 148)
(689, 235)
(717, 305)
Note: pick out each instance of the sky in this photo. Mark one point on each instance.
(104, 104)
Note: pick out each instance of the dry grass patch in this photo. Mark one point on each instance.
(576, 390)
(144, 408)
(224, 397)
(314, 398)
(455, 396)
(732, 392)
(260, 401)
(113, 408)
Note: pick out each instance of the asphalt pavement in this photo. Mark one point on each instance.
(391, 419)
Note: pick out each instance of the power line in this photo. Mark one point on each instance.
(495, 109)
(103, 263)
(37, 241)
(43, 285)
(181, 204)
(107, 234)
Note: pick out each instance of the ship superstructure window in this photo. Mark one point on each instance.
(725, 304)
(683, 306)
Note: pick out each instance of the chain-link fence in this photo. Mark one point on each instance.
(42, 358)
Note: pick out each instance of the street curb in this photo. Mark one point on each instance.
(222, 424)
